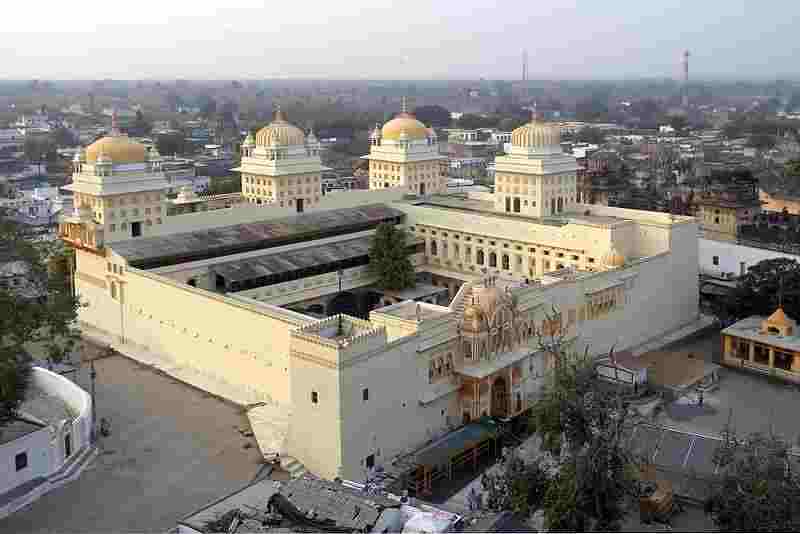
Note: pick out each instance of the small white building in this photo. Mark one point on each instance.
(728, 259)
(49, 443)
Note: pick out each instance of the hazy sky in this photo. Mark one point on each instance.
(380, 39)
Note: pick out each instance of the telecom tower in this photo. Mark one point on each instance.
(524, 65)
(685, 88)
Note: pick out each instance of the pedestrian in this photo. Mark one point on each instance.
(700, 399)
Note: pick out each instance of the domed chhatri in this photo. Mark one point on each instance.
(404, 123)
(536, 134)
(280, 132)
(119, 149)
(614, 259)
(473, 318)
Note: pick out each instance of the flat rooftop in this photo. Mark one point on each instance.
(17, 428)
(462, 203)
(411, 310)
(216, 242)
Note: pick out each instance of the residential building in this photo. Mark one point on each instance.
(723, 209)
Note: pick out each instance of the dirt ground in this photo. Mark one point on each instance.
(173, 449)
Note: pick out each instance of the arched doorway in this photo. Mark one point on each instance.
(552, 206)
(560, 204)
(345, 303)
(499, 397)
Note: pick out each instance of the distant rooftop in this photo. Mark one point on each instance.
(216, 242)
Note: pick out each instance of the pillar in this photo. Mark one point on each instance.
(771, 358)
(752, 352)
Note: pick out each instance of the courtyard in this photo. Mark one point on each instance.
(753, 403)
(172, 449)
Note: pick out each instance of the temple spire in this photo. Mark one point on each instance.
(534, 113)
(404, 104)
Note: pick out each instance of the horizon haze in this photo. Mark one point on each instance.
(249, 39)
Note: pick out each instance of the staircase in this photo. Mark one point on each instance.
(270, 425)
(462, 298)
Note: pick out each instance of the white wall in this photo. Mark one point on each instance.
(37, 446)
(78, 401)
(730, 256)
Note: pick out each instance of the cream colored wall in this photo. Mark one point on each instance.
(315, 430)
(242, 344)
(407, 175)
(284, 190)
(393, 419)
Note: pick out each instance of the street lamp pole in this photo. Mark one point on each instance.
(339, 275)
(93, 376)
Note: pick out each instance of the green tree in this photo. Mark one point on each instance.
(761, 141)
(679, 122)
(764, 286)
(39, 150)
(759, 489)
(434, 116)
(516, 485)
(39, 311)
(582, 424)
(594, 136)
(388, 258)
(170, 144)
(469, 121)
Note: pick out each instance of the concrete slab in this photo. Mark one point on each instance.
(173, 449)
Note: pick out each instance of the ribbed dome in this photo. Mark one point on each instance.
(404, 122)
(536, 134)
(117, 148)
(280, 132)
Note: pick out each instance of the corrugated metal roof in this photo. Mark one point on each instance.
(293, 260)
(216, 242)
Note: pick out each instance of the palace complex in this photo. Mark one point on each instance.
(275, 300)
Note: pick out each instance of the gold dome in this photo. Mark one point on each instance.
(118, 148)
(404, 122)
(280, 132)
(614, 259)
(536, 134)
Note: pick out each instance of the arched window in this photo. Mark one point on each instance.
(560, 204)
(492, 259)
(516, 205)
(480, 258)
(505, 262)
(114, 290)
(434, 248)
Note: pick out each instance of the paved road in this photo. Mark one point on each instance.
(173, 449)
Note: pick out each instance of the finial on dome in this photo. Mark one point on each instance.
(279, 115)
(534, 113)
(404, 104)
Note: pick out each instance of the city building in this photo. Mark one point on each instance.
(723, 209)
(404, 153)
(307, 505)
(768, 345)
(279, 309)
(282, 166)
(48, 444)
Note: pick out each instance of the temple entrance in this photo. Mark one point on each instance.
(500, 398)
